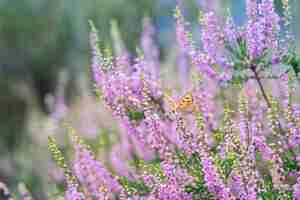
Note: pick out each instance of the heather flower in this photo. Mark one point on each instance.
(183, 69)
(150, 50)
(255, 39)
(212, 178)
(251, 9)
(270, 23)
(262, 28)
(265, 150)
(91, 173)
(296, 189)
(72, 191)
(186, 138)
(204, 98)
(156, 137)
(170, 191)
(185, 48)
(249, 171)
(231, 138)
(173, 187)
(277, 172)
(293, 135)
(212, 37)
(142, 149)
(183, 36)
(97, 58)
(208, 152)
(230, 32)
(118, 159)
(243, 124)
(237, 186)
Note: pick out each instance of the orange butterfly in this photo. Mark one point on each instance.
(185, 104)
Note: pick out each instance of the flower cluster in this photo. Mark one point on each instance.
(226, 138)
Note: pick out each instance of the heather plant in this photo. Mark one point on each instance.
(230, 132)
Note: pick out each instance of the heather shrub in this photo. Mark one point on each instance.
(228, 126)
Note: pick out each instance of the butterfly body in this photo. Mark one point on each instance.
(184, 105)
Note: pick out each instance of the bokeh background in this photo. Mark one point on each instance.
(44, 71)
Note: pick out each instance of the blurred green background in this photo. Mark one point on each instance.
(40, 38)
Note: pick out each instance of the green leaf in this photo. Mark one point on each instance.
(265, 59)
(193, 165)
(238, 77)
(135, 115)
(218, 136)
(293, 60)
(290, 165)
(133, 187)
(152, 167)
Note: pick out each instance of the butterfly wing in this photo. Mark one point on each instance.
(186, 102)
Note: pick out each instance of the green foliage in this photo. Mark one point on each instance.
(276, 195)
(219, 136)
(152, 167)
(56, 153)
(226, 165)
(270, 193)
(290, 164)
(239, 57)
(103, 141)
(135, 115)
(241, 51)
(293, 60)
(133, 187)
(97, 92)
(193, 165)
(199, 191)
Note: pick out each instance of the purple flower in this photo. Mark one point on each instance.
(91, 173)
(255, 39)
(173, 186)
(237, 186)
(231, 34)
(212, 178)
(212, 36)
(262, 28)
(270, 23)
(251, 9)
(156, 138)
(72, 193)
(170, 191)
(263, 147)
(296, 189)
(183, 35)
(150, 50)
(135, 96)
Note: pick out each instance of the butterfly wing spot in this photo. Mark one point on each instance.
(185, 104)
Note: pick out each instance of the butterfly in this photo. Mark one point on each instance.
(185, 104)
